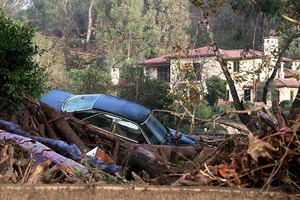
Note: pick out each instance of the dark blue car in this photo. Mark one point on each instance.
(125, 119)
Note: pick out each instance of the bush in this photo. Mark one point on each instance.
(224, 107)
(216, 89)
(91, 79)
(18, 70)
(285, 107)
(204, 111)
(152, 93)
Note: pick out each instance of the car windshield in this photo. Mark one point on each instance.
(155, 131)
(80, 102)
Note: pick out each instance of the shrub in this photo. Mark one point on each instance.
(152, 93)
(91, 79)
(216, 89)
(285, 107)
(18, 70)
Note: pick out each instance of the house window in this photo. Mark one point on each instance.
(275, 95)
(197, 71)
(247, 95)
(292, 95)
(163, 73)
(236, 66)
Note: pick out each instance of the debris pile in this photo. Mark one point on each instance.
(50, 147)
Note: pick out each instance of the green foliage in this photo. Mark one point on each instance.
(285, 107)
(227, 107)
(216, 89)
(204, 111)
(18, 70)
(54, 58)
(91, 79)
(58, 17)
(135, 29)
(151, 93)
(106, 177)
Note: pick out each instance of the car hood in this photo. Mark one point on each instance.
(184, 139)
(55, 98)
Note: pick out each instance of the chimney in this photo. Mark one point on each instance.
(281, 75)
(271, 48)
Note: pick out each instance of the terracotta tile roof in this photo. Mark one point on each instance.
(203, 51)
(241, 54)
(156, 61)
(206, 51)
(289, 73)
(296, 60)
(271, 37)
(227, 54)
(285, 59)
(279, 82)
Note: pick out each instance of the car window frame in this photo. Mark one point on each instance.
(113, 124)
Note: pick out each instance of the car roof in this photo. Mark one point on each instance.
(108, 103)
(122, 107)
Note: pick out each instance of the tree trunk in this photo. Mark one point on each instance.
(147, 160)
(35, 147)
(245, 118)
(90, 23)
(64, 128)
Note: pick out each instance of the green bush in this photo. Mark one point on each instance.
(152, 93)
(18, 70)
(224, 107)
(91, 79)
(285, 107)
(204, 111)
(216, 89)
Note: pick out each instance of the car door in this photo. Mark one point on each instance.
(118, 126)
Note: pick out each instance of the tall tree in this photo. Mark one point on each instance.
(134, 30)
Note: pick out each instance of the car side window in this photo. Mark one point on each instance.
(102, 121)
(129, 130)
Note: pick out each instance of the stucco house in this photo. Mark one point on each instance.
(246, 68)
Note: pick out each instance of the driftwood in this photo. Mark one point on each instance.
(147, 160)
(40, 165)
(70, 151)
(64, 128)
(35, 147)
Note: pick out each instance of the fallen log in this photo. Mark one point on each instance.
(35, 147)
(172, 153)
(64, 128)
(145, 159)
(40, 165)
(70, 151)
